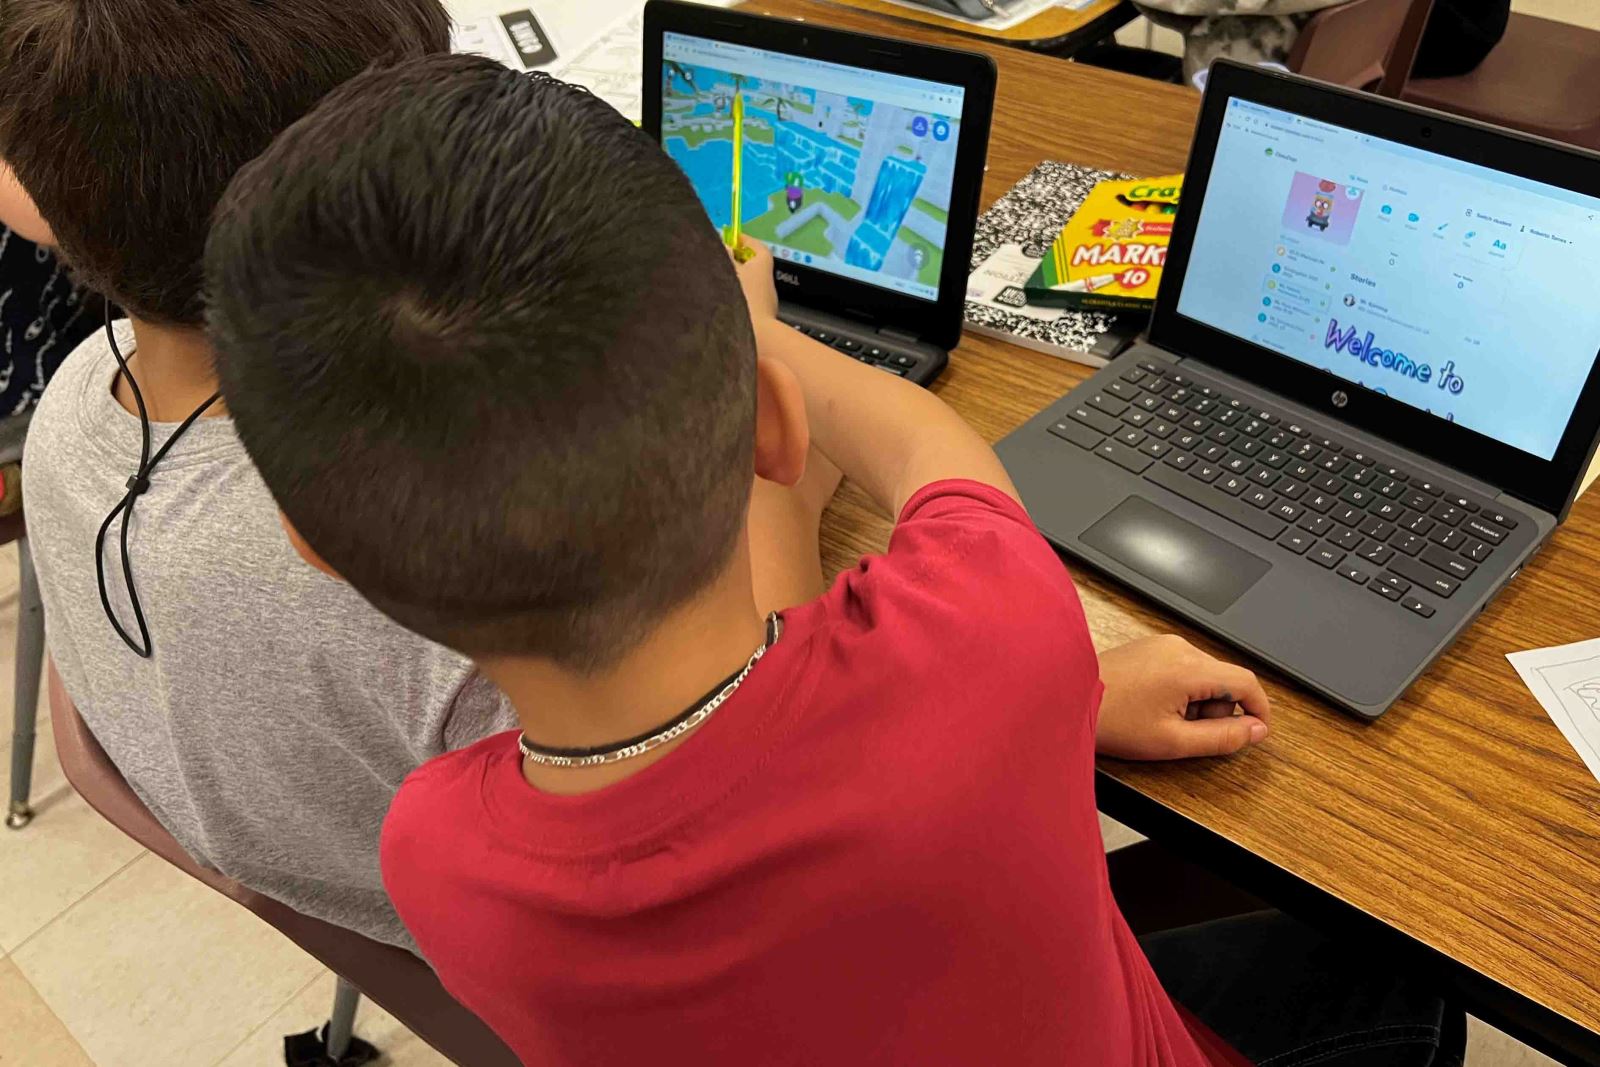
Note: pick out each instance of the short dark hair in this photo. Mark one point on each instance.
(125, 119)
(484, 346)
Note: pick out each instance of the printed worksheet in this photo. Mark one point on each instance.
(598, 44)
(609, 66)
(1566, 682)
(549, 35)
(482, 37)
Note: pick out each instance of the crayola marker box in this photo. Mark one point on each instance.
(1109, 255)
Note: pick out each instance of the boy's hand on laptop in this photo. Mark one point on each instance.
(1165, 699)
(755, 277)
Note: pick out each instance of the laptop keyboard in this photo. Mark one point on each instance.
(1407, 538)
(873, 353)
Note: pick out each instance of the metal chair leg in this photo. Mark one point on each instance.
(29, 664)
(333, 1044)
(342, 1023)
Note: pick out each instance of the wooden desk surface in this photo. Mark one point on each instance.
(1049, 28)
(1461, 819)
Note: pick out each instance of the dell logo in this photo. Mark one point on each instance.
(786, 278)
(1340, 398)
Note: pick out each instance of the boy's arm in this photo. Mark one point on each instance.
(1164, 699)
(888, 436)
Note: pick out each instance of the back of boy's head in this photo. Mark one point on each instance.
(125, 119)
(490, 357)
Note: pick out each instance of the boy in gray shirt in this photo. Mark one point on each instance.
(264, 712)
(277, 712)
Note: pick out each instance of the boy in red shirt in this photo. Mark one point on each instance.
(861, 831)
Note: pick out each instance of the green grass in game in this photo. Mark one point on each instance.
(812, 237)
(694, 137)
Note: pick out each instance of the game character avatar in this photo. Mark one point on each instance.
(793, 190)
(1321, 205)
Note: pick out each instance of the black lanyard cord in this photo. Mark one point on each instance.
(136, 485)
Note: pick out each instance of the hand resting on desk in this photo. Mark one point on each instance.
(1155, 684)
(1164, 698)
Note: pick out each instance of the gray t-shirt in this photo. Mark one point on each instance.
(280, 711)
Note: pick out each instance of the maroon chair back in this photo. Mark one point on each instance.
(1540, 78)
(1363, 44)
(393, 978)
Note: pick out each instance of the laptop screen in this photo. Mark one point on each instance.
(1462, 291)
(842, 169)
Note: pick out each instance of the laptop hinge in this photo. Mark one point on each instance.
(1110, 345)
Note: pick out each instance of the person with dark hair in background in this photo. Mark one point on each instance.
(859, 830)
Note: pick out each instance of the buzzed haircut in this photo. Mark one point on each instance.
(125, 119)
(484, 346)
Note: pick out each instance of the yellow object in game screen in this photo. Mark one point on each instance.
(1109, 255)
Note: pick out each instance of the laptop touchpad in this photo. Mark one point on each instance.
(1192, 562)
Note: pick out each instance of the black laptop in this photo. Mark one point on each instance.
(1368, 393)
(860, 165)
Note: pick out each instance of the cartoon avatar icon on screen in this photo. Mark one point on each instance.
(794, 190)
(1321, 205)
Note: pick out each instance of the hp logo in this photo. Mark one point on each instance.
(1340, 398)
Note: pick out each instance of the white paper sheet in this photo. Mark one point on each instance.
(571, 26)
(1566, 682)
(599, 44)
(610, 66)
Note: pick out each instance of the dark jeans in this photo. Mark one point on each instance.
(1285, 996)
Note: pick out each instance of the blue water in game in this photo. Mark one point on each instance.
(710, 171)
(821, 162)
(892, 194)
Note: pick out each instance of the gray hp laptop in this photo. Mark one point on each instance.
(1368, 393)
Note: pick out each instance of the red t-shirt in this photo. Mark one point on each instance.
(882, 849)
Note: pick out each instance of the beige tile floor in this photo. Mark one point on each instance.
(110, 958)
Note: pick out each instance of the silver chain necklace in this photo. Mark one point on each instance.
(672, 731)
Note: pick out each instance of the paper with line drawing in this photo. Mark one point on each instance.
(1566, 682)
